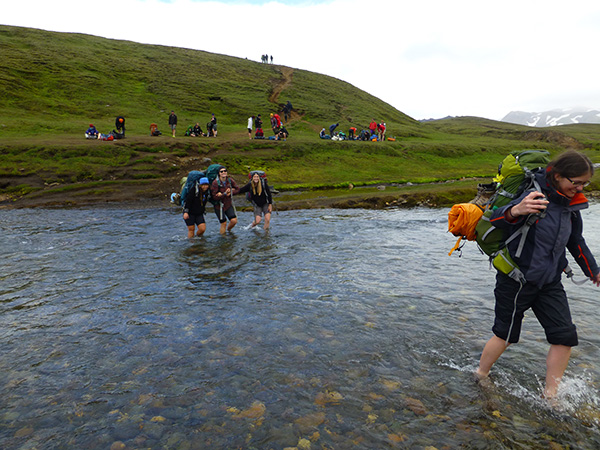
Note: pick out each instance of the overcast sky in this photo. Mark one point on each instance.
(429, 59)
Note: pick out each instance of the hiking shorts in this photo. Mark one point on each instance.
(260, 210)
(173, 126)
(549, 304)
(228, 213)
(250, 130)
(194, 220)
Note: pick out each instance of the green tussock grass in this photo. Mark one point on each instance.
(52, 85)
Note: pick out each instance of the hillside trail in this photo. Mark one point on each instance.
(278, 87)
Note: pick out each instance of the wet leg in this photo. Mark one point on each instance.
(491, 352)
(232, 224)
(556, 364)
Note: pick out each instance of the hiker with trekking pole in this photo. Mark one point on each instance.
(222, 190)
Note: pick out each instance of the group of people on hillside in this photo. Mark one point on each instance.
(195, 130)
(265, 59)
(221, 191)
(280, 133)
(375, 132)
(279, 130)
(117, 133)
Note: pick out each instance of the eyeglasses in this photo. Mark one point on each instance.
(223, 171)
(579, 183)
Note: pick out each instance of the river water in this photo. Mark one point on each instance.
(337, 330)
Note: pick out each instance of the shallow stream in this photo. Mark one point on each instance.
(337, 330)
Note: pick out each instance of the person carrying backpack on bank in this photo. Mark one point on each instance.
(260, 196)
(556, 225)
(222, 190)
(194, 207)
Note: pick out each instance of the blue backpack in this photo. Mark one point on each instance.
(191, 182)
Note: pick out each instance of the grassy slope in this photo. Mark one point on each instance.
(53, 84)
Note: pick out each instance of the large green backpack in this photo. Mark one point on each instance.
(516, 174)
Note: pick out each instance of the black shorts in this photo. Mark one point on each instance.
(549, 304)
(194, 220)
(228, 213)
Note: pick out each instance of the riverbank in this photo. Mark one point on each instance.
(156, 194)
(309, 173)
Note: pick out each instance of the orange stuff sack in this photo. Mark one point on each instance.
(462, 220)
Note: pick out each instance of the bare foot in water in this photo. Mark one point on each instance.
(480, 375)
(482, 379)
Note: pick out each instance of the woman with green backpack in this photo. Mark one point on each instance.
(557, 226)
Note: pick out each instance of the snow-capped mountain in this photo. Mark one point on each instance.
(554, 117)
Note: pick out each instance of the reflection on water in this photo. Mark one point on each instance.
(338, 329)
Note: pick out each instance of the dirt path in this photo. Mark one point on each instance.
(287, 73)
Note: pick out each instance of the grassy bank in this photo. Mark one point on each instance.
(54, 84)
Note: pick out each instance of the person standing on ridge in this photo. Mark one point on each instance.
(543, 259)
(173, 122)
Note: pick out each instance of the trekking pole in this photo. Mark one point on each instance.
(569, 273)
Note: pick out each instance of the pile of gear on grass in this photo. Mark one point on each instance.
(471, 221)
(117, 133)
(374, 133)
(280, 132)
(192, 181)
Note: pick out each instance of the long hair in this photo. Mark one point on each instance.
(570, 164)
(257, 187)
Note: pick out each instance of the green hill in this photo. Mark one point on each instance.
(52, 85)
(60, 82)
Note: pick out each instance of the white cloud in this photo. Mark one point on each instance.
(428, 59)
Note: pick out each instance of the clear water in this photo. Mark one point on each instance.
(338, 329)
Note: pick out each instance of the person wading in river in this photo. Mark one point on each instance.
(222, 189)
(260, 196)
(542, 261)
(195, 207)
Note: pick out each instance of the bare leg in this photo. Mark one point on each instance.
(491, 352)
(201, 229)
(191, 231)
(267, 221)
(232, 223)
(223, 228)
(556, 364)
